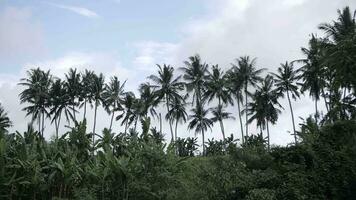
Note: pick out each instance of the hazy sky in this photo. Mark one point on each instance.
(127, 38)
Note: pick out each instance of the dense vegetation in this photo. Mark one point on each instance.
(139, 164)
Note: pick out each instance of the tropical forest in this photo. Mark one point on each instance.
(149, 158)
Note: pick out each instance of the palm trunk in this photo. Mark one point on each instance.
(85, 109)
(202, 132)
(160, 123)
(176, 129)
(42, 123)
(56, 124)
(112, 119)
(39, 123)
(291, 112)
(316, 110)
(246, 111)
(222, 129)
(169, 121)
(242, 129)
(73, 108)
(221, 122)
(126, 124)
(95, 111)
(268, 141)
(326, 103)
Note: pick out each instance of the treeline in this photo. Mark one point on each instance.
(82, 164)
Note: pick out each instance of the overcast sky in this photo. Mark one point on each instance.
(127, 38)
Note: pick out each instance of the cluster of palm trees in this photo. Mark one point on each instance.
(327, 72)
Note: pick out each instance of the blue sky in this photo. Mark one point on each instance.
(127, 38)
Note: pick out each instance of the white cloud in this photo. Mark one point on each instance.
(78, 10)
(20, 36)
(150, 53)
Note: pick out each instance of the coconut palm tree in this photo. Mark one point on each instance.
(97, 93)
(195, 75)
(36, 91)
(219, 115)
(312, 71)
(113, 95)
(250, 76)
(59, 101)
(86, 94)
(177, 112)
(235, 86)
(265, 107)
(216, 88)
(128, 115)
(4, 120)
(200, 121)
(167, 87)
(286, 82)
(74, 89)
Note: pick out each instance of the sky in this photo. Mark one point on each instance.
(127, 38)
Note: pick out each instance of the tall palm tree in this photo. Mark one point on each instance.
(265, 107)
(58, 99)
(167, 87)
(219, 115)
(4, 120)
(149, 99)
(86, 94)
(128, 115)
(177, 112)
(113, 95)
(216, 88)
(97, 92)
(36, 91)
(200, 122)
(73, 86)
(286, 82)
(250, 76)
(235, 86)
(195, 75)
(312, 71)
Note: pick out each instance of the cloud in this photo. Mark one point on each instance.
(150, 53)
(78, 10)
(20, 36)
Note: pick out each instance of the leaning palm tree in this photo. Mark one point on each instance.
(200, 122)
(286, 82)
(219, 115)
(250, 76)
(97, 92)
(5, 122)
(195, 75)
(167, 87)
(36, 91)
(235, 86)
(73, 86)
(177, 112)
(113, 95)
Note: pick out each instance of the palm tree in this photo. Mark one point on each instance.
(149, 99)
(219, 115)
(36, 94)
(73, 86)
(86, 94)
(97, 91)
(177, 112)
(216, 87)
(167, 87)
(235, 86)
(200, 122)
(113, 95)
(4, 120)
(250, 76)
(286, 82)
(265, 107)
(312, 71)
(59, 101)
(195, 75)
(128, 115)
